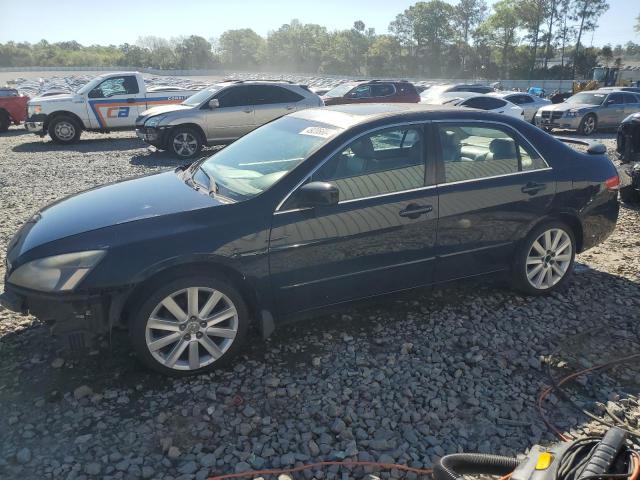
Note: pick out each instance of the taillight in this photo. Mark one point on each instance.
(612, 183)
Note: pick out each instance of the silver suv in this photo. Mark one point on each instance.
(221, 114)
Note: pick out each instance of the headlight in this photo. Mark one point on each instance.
(154, 121)
(571, 113)
(33, 109)
(539, 113)
(57, 273)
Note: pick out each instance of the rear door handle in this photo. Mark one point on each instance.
(413, 210)
(532, 188)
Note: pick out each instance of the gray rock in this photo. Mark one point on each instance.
(188, 467)
(92, 468)
(82, 391)
(23, 456)
(338, 426)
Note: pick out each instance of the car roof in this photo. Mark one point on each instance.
(346, 116)
(504, 93)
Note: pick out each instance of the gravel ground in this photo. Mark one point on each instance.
(404, 379)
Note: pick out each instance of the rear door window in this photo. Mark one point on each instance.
(484, 103)
(270, 94)
(472, 152)
(382, 90)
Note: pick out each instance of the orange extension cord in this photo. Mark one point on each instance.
(547, 390)
(635, 475)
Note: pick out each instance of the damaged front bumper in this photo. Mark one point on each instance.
(76, 319)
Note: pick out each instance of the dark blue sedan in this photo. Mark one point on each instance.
(320, 207)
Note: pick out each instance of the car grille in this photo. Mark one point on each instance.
(553, 115)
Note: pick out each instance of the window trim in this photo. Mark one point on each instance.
(419, 123)
(521, 138)
(112, 78)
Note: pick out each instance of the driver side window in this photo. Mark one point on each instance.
(126, 85)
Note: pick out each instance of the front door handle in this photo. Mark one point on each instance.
(532, 188)
(413, 210)
(131, 100)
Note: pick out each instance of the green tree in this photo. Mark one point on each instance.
(606, 53)
(194, 52)
(427, 28)
(532, 14)
(587, 13)
(502, 27)
(383, 56)
(468, 15)
(297, 47)
(241, 48)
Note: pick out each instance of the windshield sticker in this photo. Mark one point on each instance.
(321, 132)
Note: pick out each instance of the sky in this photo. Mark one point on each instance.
(119, 21)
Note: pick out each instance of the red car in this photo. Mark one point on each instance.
(13, 108)
(372, 91)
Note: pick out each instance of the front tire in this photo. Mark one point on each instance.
(185, 142)
(588, 125)
(64, 130)
(544, 261)
(189, 326)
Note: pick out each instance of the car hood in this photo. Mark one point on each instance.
(58, 98)
(117, 203)
(162, 109)
(563, 107)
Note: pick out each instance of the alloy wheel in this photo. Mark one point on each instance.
(64, 130)
(185, 144)
(549, 258)
(589, 125)
(191, 328)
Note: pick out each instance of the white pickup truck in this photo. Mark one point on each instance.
(109, 102)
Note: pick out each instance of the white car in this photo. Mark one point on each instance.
(529, 103)
(478, 101)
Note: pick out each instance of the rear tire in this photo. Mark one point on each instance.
(544, 260)
(5, 121)
(183, 318)
(64, 130)
(185, 142)
(588, 125)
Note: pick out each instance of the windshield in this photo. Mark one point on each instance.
(586, 98)
(197, 98)
(88, 86)
(340, 90)
(252, 164)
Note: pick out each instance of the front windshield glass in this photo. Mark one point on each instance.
(88, 86)
(339, 91)
(197, 98)
(586, 98)
(252, 164)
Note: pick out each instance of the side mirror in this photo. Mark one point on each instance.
(214, 103)
(94, 94)
(317, 194)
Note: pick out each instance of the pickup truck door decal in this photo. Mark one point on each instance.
(119, 108)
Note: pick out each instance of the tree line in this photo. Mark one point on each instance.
(516, 39)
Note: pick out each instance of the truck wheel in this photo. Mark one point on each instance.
(64, 130)
(588, 125)
(629, 194)
(188, 326)
(4, 121)
(185, 142)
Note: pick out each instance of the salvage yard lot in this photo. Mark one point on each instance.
(404, 380)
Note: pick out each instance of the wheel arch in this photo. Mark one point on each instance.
(211, 267)
(64, 113)
(195, 126)
(571, 219)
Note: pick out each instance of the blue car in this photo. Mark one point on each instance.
(320, 207)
